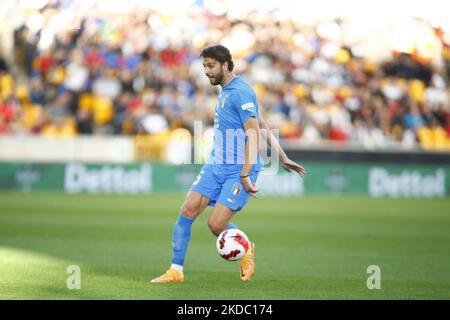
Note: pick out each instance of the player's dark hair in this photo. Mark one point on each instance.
(220, 54)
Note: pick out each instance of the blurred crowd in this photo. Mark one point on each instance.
(140, 74)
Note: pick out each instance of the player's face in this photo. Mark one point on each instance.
(213, 70)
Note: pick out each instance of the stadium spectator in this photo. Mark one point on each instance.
(142, 71)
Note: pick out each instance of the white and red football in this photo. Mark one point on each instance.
(232, 244)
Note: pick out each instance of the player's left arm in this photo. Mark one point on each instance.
(251, 127)
(286, 163)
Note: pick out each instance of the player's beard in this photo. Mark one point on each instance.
(217, 79)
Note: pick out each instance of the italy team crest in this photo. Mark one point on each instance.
(236, 190)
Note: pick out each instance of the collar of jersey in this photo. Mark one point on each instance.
(232, 79)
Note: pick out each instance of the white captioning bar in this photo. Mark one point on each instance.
(81, 148)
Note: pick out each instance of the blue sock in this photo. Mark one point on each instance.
(232, 226)
(180, 239)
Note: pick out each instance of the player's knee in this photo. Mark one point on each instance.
(189, 211)
(215, 227)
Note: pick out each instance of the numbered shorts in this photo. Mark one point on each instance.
(225, 189)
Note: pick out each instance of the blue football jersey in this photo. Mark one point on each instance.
(236, 104)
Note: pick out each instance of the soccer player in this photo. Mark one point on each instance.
(228, 179)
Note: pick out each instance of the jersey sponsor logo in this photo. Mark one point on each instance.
(247, 106)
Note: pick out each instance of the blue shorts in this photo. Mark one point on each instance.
(222, 186)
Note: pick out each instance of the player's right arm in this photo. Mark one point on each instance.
(286, 163)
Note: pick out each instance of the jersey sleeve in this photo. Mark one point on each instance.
(246, 105)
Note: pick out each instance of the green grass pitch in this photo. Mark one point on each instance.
(306, 248)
